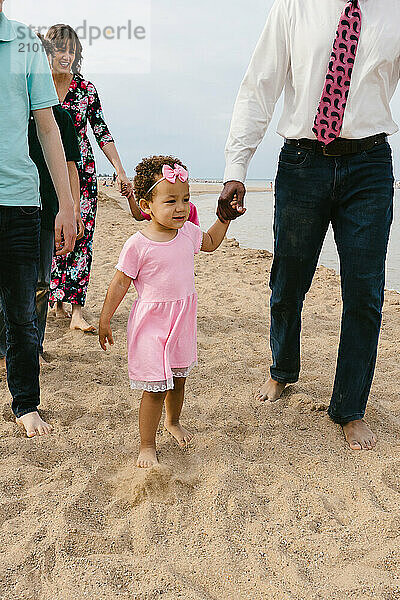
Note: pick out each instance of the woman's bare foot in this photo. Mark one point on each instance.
(34, 425)
(147, 458)
(61, 312)
(271, 390)
(359, 436)
(44, 360)
(182, 435)
(78, 322)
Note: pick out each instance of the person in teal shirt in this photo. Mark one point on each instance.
(26, 85)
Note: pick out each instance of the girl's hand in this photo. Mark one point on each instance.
(105, 334)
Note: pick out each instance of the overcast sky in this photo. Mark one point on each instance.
(182, 103)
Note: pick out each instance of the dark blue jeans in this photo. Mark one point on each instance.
(19, 261)
(355, 194)
(42, 290)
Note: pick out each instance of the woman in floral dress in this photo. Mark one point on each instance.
(71, 273)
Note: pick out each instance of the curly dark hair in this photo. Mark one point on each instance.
(47, 45)
(148, 172)
(61, 35)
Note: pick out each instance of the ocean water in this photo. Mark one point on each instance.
(254, 230)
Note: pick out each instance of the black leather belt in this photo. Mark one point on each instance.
(340, 146)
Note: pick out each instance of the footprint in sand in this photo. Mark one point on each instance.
(391, 477)
(158, 484)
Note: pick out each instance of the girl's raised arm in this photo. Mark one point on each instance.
(214, 236)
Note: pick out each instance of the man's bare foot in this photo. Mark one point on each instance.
(147, 458)
(182, 435)
(271, 390)
(34, 425)
(78, 322)
(60, 311)
(359, 436)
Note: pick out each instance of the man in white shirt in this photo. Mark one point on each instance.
(347, 182)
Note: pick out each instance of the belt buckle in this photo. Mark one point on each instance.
(326, 152)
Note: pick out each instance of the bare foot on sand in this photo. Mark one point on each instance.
(147, 458)
(45, 363)
(182, 435)
(271, 390)
(78, 322)
(60, 311)
(34, 425)
(359, 436)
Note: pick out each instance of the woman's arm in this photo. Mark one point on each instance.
(105, 140)
(123, 182)
(115, 294)
(50, 140)
(76, 195)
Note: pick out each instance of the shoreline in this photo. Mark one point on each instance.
(197, 190)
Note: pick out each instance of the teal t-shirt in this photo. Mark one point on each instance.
(25, 84)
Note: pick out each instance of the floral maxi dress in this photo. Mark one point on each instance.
(71, 273)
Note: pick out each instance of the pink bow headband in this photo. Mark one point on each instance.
(171, 174)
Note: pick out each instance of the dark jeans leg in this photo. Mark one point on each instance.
(43, 284)
(19, 253)
(302, 215)
(361, 224)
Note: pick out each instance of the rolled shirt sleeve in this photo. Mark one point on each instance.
(96, 118)
(258, 93)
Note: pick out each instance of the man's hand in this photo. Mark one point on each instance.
(231, 201)
(105, 334)
(65, 232)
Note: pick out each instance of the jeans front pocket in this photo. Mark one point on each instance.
(379, 154)
(294, 157)
(29, 211)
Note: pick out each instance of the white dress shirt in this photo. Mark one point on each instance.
(293, 53)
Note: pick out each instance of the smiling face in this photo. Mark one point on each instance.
(169, 207)
(64, 58)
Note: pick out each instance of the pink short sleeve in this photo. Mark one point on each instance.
(193, 216)
(195, 234)
(145, 216)
(129, 259)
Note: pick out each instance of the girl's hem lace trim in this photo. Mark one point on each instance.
(162, 386)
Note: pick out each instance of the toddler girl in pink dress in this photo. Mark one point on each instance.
(162, 328)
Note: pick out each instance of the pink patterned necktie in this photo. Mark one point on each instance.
(329, 120)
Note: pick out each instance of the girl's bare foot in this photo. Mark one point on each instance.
(359, 436)
(78, 322)
(34, 425)
(182, 435)
(271, 390)
(61, 311)
(147, 458)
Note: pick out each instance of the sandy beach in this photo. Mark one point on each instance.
(267, 504)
